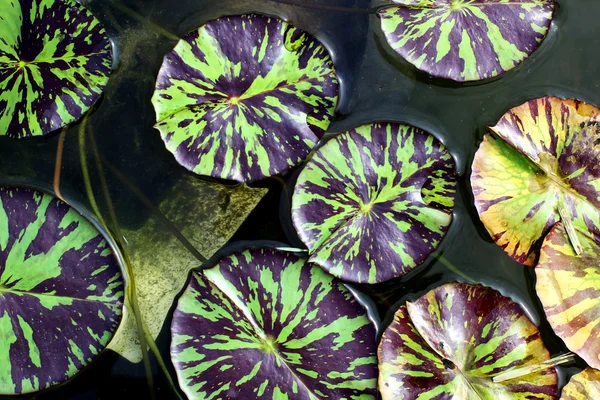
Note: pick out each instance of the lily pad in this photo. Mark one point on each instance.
(452, 341)
(375, 201)
(583, 386)
(55, 59)
(245, 97)
(61, 291)
(466, 40)
(541, 159)
(568, 286)
(265, 324)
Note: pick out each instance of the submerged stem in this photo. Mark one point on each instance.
(453, 268)
(565, 217)
(146, 339)
(159, 359)
(531, 369)
(86, 173)
(131, 287)
(58, 164)
(156, 211)
(130, 291)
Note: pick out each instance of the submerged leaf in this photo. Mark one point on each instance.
(265, 324)
(245, 97)
(207, 214)
(569, 289)
(374, 202)
(451, 342)
(55, 59)
(583, 386)
(61, 291)
(540, 157)
(466, 40)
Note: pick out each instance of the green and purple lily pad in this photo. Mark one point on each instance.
(466, 40)
(55, 60)
(583, 386)
(541, 160)
(375, 201)
(265, 324)
(61, 291)
(245, 97)
(451, 342)
(568, 286)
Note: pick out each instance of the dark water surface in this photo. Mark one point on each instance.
(376, 86)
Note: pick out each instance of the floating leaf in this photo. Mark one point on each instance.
(265, 324)
(466, 40)
(375, 201)
(207, 214)
(55, 59)
(569, 289)
(450, 343)
(245, 97)
(583, 386)
(61, 291)
(541, 157)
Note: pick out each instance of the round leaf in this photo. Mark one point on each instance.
(61, 291)
(265, 324)
(451, 342)
(541, 157)
(244, 97)
(466, 40)
(55, 59)
(569, 289)
(583, 386)
(374, 202)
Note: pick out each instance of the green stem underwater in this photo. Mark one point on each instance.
(453, 268)
(156, 211)
(146, 339)
(58, 164)
(85, 172)
(130, 291)
(131, 286)
(161, 362)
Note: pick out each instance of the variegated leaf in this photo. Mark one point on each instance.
(55, 59)
(245, 97)
(568, 286)
(375, 201)
(61, 291)
(450, 343)
(264, 324)
(466, 40)
(542, 156)
(583, 386)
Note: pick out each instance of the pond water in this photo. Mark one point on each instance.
(376, 86)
